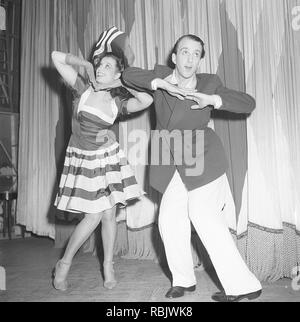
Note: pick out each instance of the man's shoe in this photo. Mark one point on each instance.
(222, 297)
(178, 291)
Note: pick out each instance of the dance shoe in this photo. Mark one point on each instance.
(109, 275)
(60, 273)
(222, 297)
(178, 291)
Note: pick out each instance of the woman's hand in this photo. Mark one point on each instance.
(89, 68)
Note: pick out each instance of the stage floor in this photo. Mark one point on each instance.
(29, 262)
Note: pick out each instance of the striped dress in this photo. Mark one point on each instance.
(96, 174)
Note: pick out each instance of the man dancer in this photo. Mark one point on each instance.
(194, 195)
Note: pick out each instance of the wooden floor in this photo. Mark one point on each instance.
(29, 262)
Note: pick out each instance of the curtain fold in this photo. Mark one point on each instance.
(273, 172)
(251, 45)
(37, 115)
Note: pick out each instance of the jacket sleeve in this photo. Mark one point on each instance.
(141, 79)
(138, 79)
(234, 101)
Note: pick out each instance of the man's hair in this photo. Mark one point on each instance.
(119, 61)
(192, 37)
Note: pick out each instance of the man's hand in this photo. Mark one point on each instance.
(173, 90)
(91, 74)
(203, 100)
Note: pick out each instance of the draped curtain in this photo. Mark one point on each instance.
(38, 115)
(252, 45)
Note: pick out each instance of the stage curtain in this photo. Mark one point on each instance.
(38, 114)
(253, 47)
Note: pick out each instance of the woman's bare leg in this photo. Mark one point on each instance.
(109, 230)
(80, 235)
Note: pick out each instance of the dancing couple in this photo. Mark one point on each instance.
(97, 178)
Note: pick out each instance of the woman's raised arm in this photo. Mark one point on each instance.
(65, 63)
(67, 72)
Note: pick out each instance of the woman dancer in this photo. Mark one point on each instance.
(96, 177)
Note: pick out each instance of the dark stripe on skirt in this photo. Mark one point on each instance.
(95, 195)
(93, 157)
(92, 173)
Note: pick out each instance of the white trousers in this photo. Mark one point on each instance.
(203, 207)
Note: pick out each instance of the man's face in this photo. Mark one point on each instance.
(187, 59)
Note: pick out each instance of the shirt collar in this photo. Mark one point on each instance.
(172, 79)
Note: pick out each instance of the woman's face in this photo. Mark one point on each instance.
(108, 71)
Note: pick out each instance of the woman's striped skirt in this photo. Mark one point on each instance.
(95, 181)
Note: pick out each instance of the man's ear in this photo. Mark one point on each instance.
(174, 58)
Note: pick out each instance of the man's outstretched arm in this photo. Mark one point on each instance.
(138, 79)
(141, 80)
(234, 101)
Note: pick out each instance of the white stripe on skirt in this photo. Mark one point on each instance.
(78, 205)
(97, 183)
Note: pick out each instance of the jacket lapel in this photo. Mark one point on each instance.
(179, 111)
(170, 103)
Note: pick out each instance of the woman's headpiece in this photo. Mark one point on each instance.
(113, 41)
